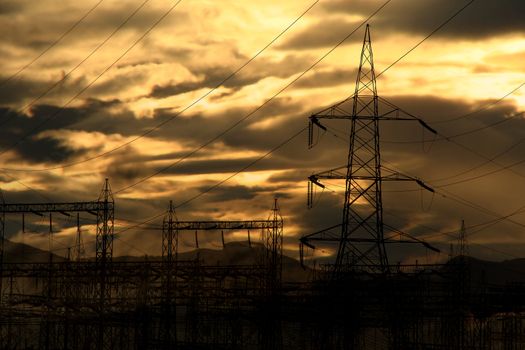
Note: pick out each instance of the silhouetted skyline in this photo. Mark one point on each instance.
(467, 65)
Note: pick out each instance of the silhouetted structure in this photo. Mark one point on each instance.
(360, 302)
(360, 241)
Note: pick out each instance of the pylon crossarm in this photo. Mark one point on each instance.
(328, 174)
(329, 111)
(397, 176)
(62, 208)
(327, 234)
(386, 116)
(227, 225)
(387, 111)
(412, 239)
(335, 174)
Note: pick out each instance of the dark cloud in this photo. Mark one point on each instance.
(36, 31)
(327, 32)
(484, 18)
(10, 7)
(119, 83)
(238, 192)
(287, 176)
(133, 167)
(435, 165)
(213, 76)
(100, 116)
(28, 90)
(33, 148)
(328, 78)
(48, 150)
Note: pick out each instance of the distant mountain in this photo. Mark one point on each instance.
(241, 253)
(491, 272)
(24, 253)
(235, 253)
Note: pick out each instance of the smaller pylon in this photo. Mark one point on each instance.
(105, 225)
(170, 243)
(104, 257)
(273, 243)
(271, 328)
(170, 236)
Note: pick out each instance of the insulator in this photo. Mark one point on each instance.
(310, 195)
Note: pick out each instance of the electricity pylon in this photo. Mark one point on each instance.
(361, 241)
(170, 244)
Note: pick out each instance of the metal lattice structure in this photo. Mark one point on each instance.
(361, 241)
(170, 236)
(105, 225)
(272, 236)
(169, 303)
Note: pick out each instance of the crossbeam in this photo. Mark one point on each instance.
(20, 208)
(227, 225)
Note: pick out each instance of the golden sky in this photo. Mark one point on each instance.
(95, 89)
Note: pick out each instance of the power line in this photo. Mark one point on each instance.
(450, 234)
(285, 142)
(97, 77)
(246, 117)
(482, 108)
(53, 44)
(426, 38)
(454, 197)
(291, 84)
(461, 134)
(149, 131)
(334, 132)
(489, 160)
(142, 223)
(483, 175)
(250, 114)
(480, 226)
(438, 28)
(65, 76)
(218, 184)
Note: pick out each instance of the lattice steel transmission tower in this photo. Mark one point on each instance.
(170, 244)
(271, 336)
(170, 236)
(105, 225)
(462, 240)
(273, 241)
(104, 258)
(361, 241)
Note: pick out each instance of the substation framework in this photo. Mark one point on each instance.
(360, 302)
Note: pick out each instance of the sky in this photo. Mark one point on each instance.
(181, 100)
